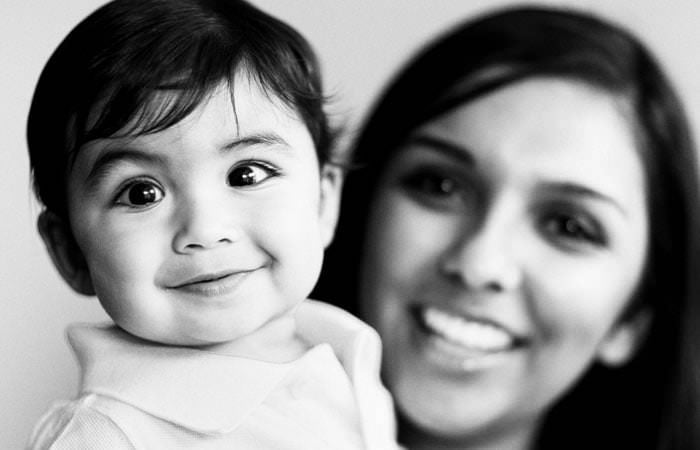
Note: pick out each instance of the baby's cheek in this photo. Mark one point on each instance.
(297, 250)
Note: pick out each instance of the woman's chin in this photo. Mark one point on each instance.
(453, 392)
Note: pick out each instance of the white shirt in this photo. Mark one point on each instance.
(137, 395)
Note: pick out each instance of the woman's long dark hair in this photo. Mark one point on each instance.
(651, 403)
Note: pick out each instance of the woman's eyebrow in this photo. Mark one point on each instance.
(268, 138)
(578, 190)
(450, 149)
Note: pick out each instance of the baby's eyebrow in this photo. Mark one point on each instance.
(255, 139)
(114, 157)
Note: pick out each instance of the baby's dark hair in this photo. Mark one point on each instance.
(103, 80)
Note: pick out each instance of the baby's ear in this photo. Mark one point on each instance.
(623, 341)
(329, 206)
(64, 252)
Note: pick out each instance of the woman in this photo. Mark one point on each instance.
(524, 233)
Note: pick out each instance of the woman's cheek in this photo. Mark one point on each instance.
(578, 299)
(415, 236)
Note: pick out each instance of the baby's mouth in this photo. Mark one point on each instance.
(213, 284)
(203, 279)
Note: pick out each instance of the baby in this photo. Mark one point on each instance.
(183, 158)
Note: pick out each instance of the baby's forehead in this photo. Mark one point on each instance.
(243, 117)
(243, 98)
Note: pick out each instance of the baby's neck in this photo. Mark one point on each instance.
(276, 341)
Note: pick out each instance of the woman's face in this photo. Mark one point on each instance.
(504, 242)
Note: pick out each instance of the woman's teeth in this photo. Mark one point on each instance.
(478, 336)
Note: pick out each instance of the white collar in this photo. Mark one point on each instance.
(193, 388)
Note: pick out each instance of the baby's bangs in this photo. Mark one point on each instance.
(155, 78)
(284, 66)
(283, 75)
(146, 97)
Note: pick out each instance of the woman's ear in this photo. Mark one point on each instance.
(329, 206)
(625, 338)
(64, 252)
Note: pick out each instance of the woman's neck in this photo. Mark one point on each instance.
(510, 438)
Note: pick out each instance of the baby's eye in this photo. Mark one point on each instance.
(250, 174)
(140, 194)
(574, 228)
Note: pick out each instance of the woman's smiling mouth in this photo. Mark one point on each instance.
(461, 343)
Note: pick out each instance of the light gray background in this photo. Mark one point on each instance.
(360, 42)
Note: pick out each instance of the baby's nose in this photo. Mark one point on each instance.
(205, 225)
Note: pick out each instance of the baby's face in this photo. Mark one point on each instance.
(206, 231)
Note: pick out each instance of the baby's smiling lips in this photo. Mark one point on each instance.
(213, 284)
(206, 278)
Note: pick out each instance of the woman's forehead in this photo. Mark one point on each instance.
(548, 129)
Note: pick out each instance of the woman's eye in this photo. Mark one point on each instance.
(250, 175)
(140, 194)
(434, 184)
(437, 190)
(573, 228)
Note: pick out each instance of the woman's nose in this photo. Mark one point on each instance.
(205, 224)
(484, 257)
